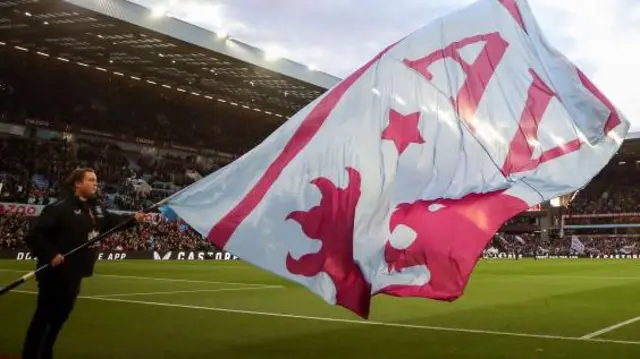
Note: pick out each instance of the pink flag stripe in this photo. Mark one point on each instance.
(512, 7)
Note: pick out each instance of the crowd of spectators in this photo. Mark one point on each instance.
(150, 236)
(12, 231)
(615, 198)
(613, 190)
(33, 171)
(163, 236)
(533, 244)
(611, 244)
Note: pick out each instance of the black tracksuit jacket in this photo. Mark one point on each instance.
(65, 225)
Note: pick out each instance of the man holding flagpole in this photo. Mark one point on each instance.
(61, 227)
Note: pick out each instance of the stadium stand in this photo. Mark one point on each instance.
(155, 236)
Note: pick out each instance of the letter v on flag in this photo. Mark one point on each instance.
(394, 180)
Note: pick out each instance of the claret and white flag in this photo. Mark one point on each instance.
(394, 180)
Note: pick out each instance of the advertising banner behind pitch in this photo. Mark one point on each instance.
(21, 209)
(194, 256)
(34, 210)
(23, 255)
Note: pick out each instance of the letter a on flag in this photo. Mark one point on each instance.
(394, 180)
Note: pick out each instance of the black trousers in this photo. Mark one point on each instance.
(56, 298)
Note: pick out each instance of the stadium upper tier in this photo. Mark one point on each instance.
(119, 38)
(122, 38)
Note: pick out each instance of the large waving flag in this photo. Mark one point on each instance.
(394, 180)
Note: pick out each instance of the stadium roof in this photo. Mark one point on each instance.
(126, 39)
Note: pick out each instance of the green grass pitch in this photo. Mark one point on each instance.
(174, 309)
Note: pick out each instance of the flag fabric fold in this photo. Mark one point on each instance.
(394, 180)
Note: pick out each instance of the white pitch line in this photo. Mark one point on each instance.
(546, 277)
(198, 267)
(355, 321)
(187, 280)
(165, 279)
(610, 329)
(179, 292)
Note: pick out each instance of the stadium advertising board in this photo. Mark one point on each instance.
(610, 224)
(130, 255)
(22, 255)
(34, 210)
(600, 221)
(193, 255)
(20, 209)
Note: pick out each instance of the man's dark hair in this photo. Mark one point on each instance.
(76, 176)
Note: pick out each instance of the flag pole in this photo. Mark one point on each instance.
(16, 283)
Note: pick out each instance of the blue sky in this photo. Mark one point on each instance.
(337, 36)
